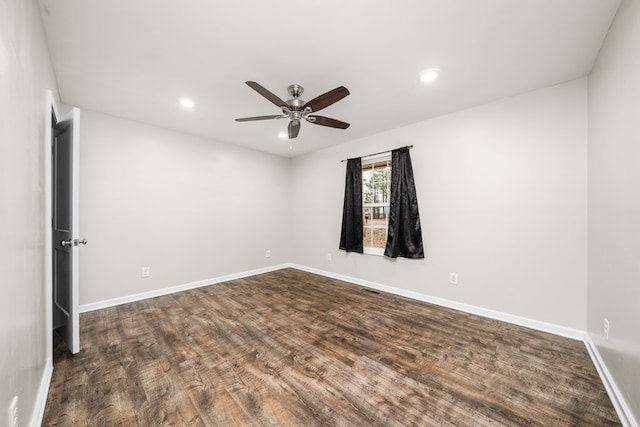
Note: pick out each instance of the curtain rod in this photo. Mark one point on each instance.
(385, 151)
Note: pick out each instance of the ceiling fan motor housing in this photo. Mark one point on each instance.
(294, 110)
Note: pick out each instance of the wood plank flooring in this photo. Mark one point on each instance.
(289, 348)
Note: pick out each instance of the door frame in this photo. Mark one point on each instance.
(66, 143)
(51, 110)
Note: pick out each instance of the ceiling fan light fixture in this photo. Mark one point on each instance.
(187, 103)
(427, 76)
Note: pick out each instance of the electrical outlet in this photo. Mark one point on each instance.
(13, 412)
(453, 278)
(329, 257)
(146, 271)
(267, 254)
(606, 328)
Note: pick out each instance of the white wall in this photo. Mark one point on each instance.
(614, 202)
(502, 190)
(25, 74)
(190, 208)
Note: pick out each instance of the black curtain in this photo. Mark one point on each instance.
(405, 234)
(351, 235)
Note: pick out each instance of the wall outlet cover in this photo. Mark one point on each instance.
(453, 278)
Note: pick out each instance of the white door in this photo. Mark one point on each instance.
(66, 229)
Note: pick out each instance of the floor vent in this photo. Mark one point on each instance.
(371, 291)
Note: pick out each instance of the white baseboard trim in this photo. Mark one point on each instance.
(617, 399)
(41, 398)
(492, 314)
(173, 289)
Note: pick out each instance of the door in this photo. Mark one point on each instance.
(65, 224)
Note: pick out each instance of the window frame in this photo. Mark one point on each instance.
(368, 161)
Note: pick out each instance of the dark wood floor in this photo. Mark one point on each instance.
(290, 348)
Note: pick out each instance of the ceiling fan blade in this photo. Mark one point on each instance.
(294, 130)
(326, 121)
(326, 99)
(264, 92)
(251, 119)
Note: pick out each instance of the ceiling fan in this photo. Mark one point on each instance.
(297, 109)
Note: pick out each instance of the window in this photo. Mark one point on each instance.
(367, 224)
(376, 191)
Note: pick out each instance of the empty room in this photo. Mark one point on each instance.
(410, 213)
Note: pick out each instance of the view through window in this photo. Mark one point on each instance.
(376, 189)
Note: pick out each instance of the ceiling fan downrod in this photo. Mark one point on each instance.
(295, 90)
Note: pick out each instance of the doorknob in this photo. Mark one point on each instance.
(73, 242)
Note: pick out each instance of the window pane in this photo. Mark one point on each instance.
(376, 188)
(375, 237)
(379, 216)
(367, 237)
(367, 215)
(367, 192)
(379, 237)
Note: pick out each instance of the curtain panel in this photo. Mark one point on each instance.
(351, 235)
(404, 238)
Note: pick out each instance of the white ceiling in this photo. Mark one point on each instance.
(135, 58)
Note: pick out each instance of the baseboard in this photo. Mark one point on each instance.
(173, 289)
(617, 399)
(492, 314)
(41, 398)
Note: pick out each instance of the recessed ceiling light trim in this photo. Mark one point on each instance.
(427, 76)
(187, 103)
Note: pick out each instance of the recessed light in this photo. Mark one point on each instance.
(429, 75)
(283, 135)
(291, 147)
(187, 103)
